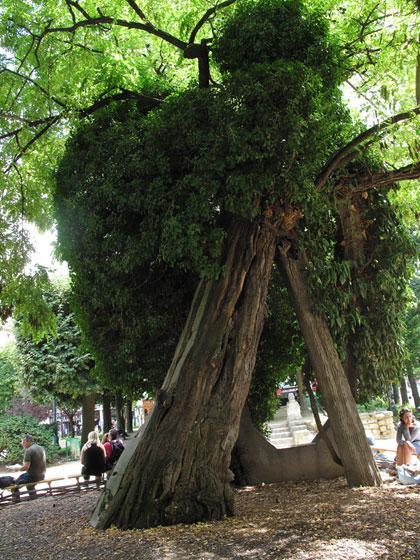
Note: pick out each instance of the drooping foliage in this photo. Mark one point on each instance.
(131, 306)
(360, 259)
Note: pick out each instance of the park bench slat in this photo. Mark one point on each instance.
(50, 490)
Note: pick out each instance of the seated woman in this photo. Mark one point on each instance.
(93, 457)
(408, 438)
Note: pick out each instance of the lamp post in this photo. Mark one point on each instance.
(54, 418)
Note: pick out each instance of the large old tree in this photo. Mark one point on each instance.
(244, 158)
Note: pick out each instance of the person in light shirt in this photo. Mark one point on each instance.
(408, 438)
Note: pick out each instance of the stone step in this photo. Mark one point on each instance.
(280, 430)
(278, 424)
(282, 443)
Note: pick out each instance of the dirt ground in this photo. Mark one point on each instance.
(301, 521)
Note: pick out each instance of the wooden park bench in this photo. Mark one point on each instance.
(46, 487)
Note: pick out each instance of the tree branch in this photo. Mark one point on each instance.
(26, 147)
(137, 9)
(97, 21)
(147, 101)
(27, 123)
(336, 161)
(206, 16)
(378, 180)
(34, 83)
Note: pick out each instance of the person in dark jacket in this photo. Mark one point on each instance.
(93, 458)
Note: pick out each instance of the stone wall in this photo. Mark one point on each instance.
(378, 424)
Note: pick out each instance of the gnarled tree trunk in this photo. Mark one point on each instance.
(354, 250)
(359, 467)
(179, 472)
(396, 393)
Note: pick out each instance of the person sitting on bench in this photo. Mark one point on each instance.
(34, 466)
(93, 458)
(408, 438)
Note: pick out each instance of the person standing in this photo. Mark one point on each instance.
(34, 466)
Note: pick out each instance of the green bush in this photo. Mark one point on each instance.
(13, 428)
(377, 403)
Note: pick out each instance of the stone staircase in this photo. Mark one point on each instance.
(286, 432)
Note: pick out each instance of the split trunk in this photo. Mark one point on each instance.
(179, 472)
(359, 467)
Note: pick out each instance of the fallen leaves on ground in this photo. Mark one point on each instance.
(322, 520)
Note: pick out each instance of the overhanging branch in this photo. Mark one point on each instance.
(148, 103)
(357, 184)
(102, 20)
(338, 159)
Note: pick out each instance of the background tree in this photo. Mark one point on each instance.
(13, 428)
(9, 378)
(56, 367)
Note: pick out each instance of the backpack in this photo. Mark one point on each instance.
(6, 481)
(117, 449)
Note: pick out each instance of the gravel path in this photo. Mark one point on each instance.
(292, 521)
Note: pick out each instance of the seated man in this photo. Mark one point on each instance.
(34, 465)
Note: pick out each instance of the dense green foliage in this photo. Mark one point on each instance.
(350, 292)
(52, 77)
(13, 428)
(9, 378)
(141, 197)
(268, 30)
(56, 366)
(143, 194)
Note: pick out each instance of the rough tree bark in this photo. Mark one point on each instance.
(119, 409)
(414, 389)
(128, 416)
(396, 393)
(179, 472)
(404, 392)
(106, 408)
(359, 467)
(88, 416)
